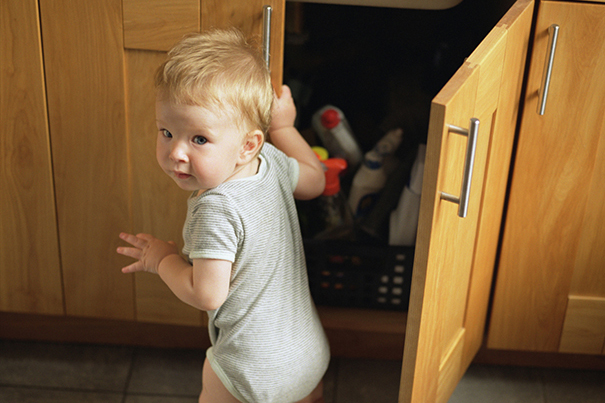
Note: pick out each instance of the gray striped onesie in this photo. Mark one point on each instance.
(268, 344)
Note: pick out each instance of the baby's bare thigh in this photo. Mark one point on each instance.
(213, 390)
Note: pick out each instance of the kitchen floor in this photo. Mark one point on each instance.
(64, 373)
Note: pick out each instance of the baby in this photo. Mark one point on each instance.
(244, 260)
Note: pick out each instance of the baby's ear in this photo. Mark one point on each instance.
(253, 141)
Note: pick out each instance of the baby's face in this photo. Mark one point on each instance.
(196, 147)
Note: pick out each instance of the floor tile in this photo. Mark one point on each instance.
(173, 372)
(159, 399)
(35, 395)
(329, 380)
(84, 367)
(484, 383)
(569, 386)
(367, 381)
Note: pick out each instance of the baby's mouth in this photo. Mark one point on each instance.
(181, 175)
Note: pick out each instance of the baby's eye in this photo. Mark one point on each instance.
(166, 133)
(200, 140)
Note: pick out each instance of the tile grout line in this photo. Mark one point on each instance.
(335, 386)
(129, 375)
(543, 386)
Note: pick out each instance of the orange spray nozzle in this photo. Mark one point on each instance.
(332, 169)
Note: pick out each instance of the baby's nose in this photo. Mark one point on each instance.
(178, 153)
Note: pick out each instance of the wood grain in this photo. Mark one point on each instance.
(159, 24)
(517, 24)
(556, 198)
(584, 326)
(455, 256)
(248, 16)
(159, 205)
(30, 272)
(84, 65)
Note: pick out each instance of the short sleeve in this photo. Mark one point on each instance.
(213, 229)
(293, 172)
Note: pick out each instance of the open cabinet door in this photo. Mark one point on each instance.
(455, 256)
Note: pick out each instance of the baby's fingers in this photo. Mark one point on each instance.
(130, 252)
(137, 241)
(137, 266)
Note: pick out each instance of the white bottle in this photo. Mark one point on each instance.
(336, 135)
(386, 147)
(404, 219)
(389, 143)
(367, 184)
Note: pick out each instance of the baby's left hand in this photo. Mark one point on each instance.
(148, 250)
(284, 110)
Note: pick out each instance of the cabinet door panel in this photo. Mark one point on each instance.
(159, 205)
(248, 16)
(30, 272)
(159, 24)
(83, 57)
(553, 242)
(455, 256)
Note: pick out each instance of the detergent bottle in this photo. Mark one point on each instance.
(334, 213)
(367, 184)
(336, 135)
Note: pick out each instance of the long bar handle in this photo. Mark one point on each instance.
(553, 32)
(267, 12)
(471, 146)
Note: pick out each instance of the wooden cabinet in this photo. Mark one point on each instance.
(30, 271)
(99, 62)
(84, 72)
(455, 255)
(77, 153)
(550, 289)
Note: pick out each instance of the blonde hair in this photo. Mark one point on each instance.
(218, 70)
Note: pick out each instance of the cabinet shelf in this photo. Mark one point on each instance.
(363, 320)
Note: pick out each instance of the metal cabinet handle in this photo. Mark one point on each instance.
(471, 146)
(267, 12)
(553, 32)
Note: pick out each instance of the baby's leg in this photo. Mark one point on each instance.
(317, 396)
(213, 390)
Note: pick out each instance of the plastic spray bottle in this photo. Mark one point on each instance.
(334, 212)
(336, 135)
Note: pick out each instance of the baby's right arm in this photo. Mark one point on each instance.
(203, 285)
(286, 137)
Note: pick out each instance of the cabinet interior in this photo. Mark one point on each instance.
(381, 67)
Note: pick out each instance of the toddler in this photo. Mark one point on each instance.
(244, 262)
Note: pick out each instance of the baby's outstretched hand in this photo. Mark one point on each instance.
(284, 110)
(148, 250)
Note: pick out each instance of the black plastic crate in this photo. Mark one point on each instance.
(357, 275)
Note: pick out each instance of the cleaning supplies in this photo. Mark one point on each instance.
(386, 147)
(371, 177)
(367, 184)
(334, 213)
(336, 135)
(404, 220)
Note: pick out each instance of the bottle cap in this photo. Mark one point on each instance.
(373, 160)
(320, 153)
(330, 118)
(332, 169)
